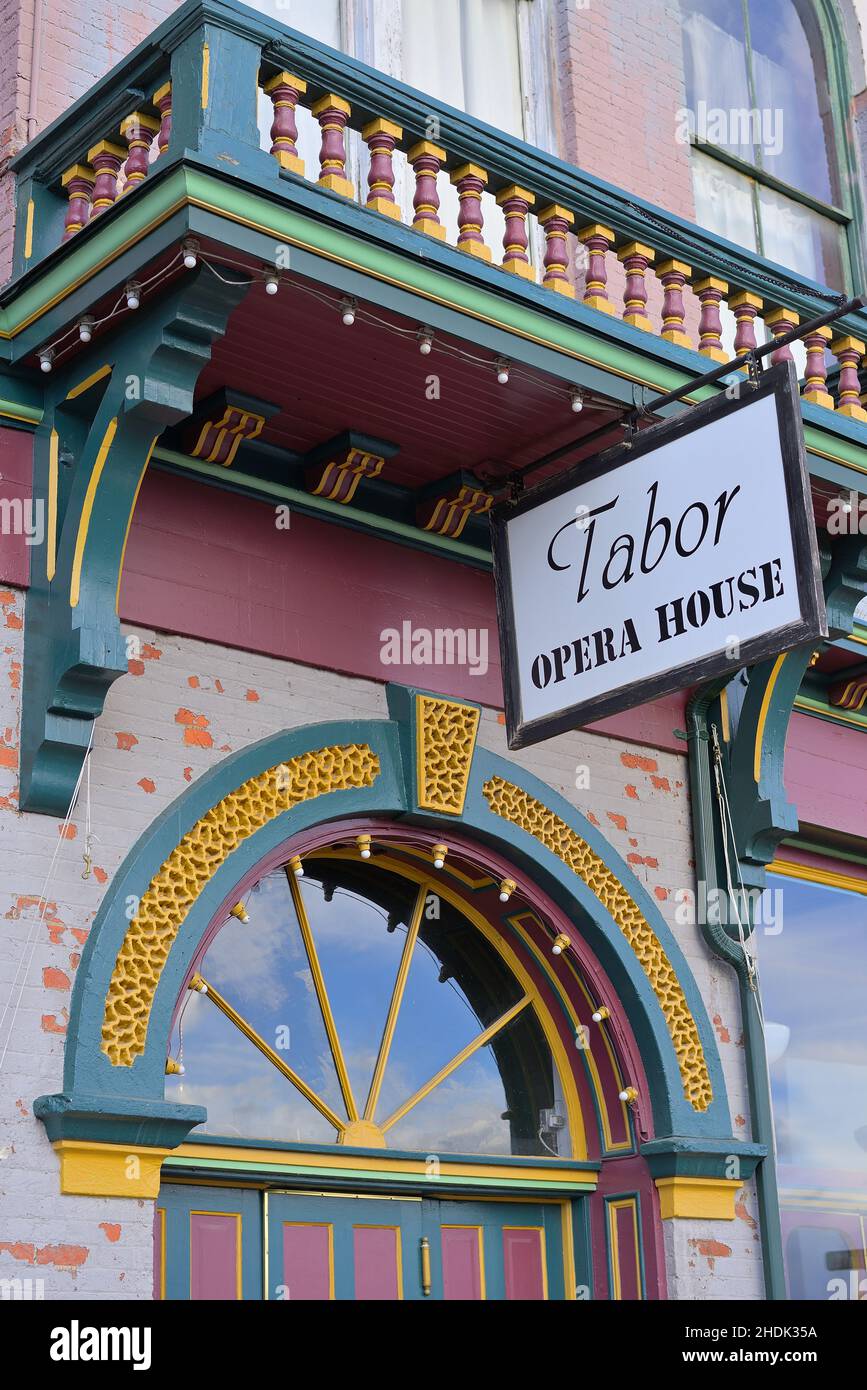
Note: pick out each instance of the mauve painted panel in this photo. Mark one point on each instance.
(307, 1262)
(462, 1269)
(211, 565)
(522, 1260)
(377, 1277)
(630, 1274)
(825, 772)
(16, 488)
(214, 1255)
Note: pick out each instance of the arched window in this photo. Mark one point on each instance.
(359, 1005)
(767, 152)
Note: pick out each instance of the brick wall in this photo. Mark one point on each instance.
(184, 706)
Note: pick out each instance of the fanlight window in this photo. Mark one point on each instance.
(359, 1007)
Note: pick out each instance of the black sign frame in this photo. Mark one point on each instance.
(779, 381)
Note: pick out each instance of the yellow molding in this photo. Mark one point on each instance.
(469, 171)
(826, 878)
(763, 716)
(87, 509)
(88, 1169)
(88, 381)
(51, 538)
(285, 79)
(106, 147)
(515, 190)
(206, 74)
(422, 147)
(380, 126)
(394, 1007)
(28, 230)
(330, 102)
(711, 1199)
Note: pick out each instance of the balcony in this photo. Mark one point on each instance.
(323, 320)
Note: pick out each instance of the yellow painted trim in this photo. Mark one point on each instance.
(543, 962)
(710, 1199)
(88, 1169)
(725, 719)
(129, 522)
(329, 1227)
(570, 1290)
(51, 537)
(480, 1041)
(89, 381)
(266, 1272)
(273, 1057)
(763, 715)
(826, 878)
(322, 995)
(239, 1231)
(336, 1160)
(206, 75)
(84, 520)
(394, 1007)
(543, 1250)
(623, 1204)
(455, 1226)
(28, 230)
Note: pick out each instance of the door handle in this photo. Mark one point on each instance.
(424, 1251)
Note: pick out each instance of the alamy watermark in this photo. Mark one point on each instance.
(440, 646)
(735, 127)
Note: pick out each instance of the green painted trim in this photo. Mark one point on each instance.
(398, 531)
(566, 1165)
(361, 1175)
(820, 709)
(829, 852)
(13, 410)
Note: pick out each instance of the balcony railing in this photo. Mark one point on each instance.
(191, 91)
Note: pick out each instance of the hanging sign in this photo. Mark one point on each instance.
(650, 568)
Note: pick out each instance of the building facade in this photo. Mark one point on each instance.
(312, 987)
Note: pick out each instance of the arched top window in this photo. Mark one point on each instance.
(360, 1006)
(766, 152)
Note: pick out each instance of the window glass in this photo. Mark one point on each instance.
(800, 239)
(716, 72)
(791, 83)
(464, 1065)
(813, 973)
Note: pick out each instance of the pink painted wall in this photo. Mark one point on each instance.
(16, 469)
(826, 773)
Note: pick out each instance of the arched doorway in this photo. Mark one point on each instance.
(380, 993)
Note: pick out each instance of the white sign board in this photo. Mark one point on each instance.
(687, 555)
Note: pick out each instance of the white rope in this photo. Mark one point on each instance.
(33, 936)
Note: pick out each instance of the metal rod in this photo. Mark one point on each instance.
(633, 414)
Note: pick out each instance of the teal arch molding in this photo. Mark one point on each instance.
(105, 1102)
(103, 415)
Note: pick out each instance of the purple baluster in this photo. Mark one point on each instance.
(285, 90)
(849, 352)
(426, 160)
(470, 181)
(78, 182)
(597, 240)
(516, 203)
(333, 113)
(106, 159)
(673, 275)
(381, 137)
(556, 222)
(635, 259)
(709, 292)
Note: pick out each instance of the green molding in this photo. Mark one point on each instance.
(676, 1156)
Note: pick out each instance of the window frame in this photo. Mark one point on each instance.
(849, 215)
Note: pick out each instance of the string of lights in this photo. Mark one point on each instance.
(351, 312)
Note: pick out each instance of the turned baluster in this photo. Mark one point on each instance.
(138, 130)
(635, 259)
(556, 221)
(673, 275)
(162, 100)
(745, 307)
(516, 203)
(426, 160)
(285, 91)
(78, 182)
(381, 137)
(709, 291)
(781, 321)
(597, 240)
(816, 375)
(470, 181)
(333, 113)
(849, 352)
(106, 159)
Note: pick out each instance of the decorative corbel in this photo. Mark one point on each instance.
(102, 420)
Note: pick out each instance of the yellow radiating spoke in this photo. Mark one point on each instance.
(459, 1057)
(394, 1006)
(322, 996)
(241, 1023)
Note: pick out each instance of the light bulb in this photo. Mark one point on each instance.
(561, 944)
(577, 402)
(272, 284)
(348, 312)
(507, 888)
(425, 341)
(133, 296)
(191, 260)
(239, 911)
(363, 842)
(45, 360)
(85, 330)
(296, 866)
(628, 1095)
(600, 1014)
(439, 853)
(502, 371)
